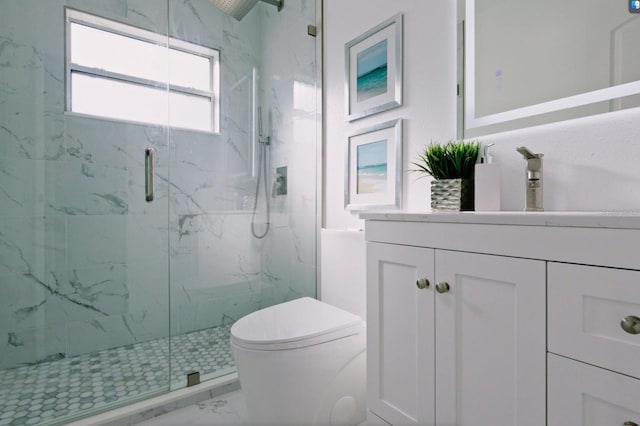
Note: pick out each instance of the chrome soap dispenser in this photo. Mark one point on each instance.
(534, 180)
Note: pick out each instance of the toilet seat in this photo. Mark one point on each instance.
(296, 324)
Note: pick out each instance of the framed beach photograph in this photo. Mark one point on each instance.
(373, 173)
(373, 70)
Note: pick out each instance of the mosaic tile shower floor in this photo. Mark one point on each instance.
(40, 393)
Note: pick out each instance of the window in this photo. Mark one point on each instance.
(122, 72)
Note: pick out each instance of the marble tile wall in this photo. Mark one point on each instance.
(210, 250)
(75, 234)
(290, 92)
(219, 272)
(85, 263)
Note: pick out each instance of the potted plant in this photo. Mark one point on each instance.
(452, 167)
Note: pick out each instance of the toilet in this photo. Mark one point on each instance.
(301, 362)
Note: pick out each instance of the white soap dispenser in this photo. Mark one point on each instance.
(487, 182)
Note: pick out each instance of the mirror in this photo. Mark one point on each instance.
(533, 62)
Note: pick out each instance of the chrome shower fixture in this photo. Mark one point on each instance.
(239, 8)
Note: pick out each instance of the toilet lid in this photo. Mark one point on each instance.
(295, 324)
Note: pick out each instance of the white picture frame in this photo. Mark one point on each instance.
(373, 168)
(373, 70)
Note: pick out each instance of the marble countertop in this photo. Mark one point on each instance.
(583, 219)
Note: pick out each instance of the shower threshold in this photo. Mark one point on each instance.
(56, 392)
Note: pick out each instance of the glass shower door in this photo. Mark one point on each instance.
(83, 255)
(220, 270)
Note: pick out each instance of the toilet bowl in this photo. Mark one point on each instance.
(301, 363)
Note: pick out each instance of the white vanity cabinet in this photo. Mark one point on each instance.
(473, 321)
(587, 305)
(467, 349)
(581, 394)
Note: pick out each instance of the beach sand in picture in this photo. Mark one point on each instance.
(370, 182)
(372, 168)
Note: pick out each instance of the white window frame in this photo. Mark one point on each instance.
(126, 30)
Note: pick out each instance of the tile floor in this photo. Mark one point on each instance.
(229, 409)
(226, 410)
(38, 394)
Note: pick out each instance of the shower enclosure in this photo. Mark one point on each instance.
(107, 297)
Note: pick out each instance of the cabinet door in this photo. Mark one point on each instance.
(490, 340)
(400, 332)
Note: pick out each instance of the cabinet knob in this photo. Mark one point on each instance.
(442, 287)
(631, 325)
(422, 283)
(630, 424)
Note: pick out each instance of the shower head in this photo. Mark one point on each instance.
(239, 8)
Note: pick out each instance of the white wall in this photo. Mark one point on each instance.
(342, 274)
(429, 102)
(590, 163)
(429, 113)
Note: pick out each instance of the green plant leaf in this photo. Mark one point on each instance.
(453, 160)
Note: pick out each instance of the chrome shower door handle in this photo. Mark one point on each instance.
(149, 172)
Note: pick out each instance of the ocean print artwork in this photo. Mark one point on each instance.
(372, 71)
(372, 167)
